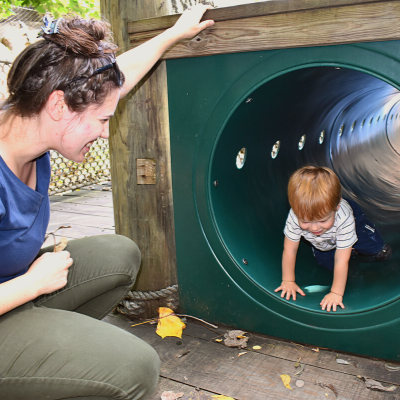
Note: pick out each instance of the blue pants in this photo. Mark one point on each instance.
(369, 241)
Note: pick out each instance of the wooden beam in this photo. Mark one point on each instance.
(140, 131)
(355, 23)
(244, 11)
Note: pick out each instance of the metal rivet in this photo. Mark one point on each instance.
(215, 183)
(245, 262)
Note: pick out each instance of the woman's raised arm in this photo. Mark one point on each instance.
(137, 62)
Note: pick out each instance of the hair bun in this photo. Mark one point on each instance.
(90, 38)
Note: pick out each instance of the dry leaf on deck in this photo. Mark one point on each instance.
(374, 385)
(316, 350)
(340, 361)
(231, 339)
(169, 324)
(171, 395)
(218, 340)
(240, 354)
(222, 397)
(256, 347)
(286, 381)
(61, 246)
(329, 386)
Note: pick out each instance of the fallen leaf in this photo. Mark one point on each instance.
(329, 386)
(61, 246)
(300, 370)
(374, 385)
(218, 340)
(286, 381)
(299, 383)
(171, 395)
(169, 324)
(340, 361)
(316, 350)
(231, 339)
(392, 367)
(257, 347)
(297, 365)
(240, 354)
(222, 397)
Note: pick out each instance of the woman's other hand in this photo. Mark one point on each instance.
(49, 272)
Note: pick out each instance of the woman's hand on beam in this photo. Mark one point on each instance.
(137, 62)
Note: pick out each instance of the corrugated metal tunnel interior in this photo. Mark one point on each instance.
(336, 117)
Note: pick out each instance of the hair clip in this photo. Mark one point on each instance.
(50, 26)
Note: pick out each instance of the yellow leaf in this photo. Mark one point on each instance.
(218, 340)
(256, 347)
(240, 354)
(169, 324)
(222, 397)
(286, 381)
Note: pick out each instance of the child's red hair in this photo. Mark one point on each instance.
(314, 192)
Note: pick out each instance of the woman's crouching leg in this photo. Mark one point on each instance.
(55, 354)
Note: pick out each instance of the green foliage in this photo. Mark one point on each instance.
(85, 8)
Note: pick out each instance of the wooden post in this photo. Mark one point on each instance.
(139, 136)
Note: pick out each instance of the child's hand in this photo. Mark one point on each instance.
(289, 289)
(331, 300)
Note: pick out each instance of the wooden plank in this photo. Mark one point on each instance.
(290, 351)
(244, 11)
(79, 231)
(85, 209)
(256, 376)
(190, 393)
(65, 218)
(96, 201)
(321, 27)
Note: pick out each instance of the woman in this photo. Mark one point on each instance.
(63, 91)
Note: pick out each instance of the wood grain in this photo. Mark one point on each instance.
(320, 27)
(244, 11)
(256, 375)
(140, 130)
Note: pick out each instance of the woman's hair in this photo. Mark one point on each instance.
(77, 50)
(314, 192)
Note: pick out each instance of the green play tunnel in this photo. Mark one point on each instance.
(337, 106)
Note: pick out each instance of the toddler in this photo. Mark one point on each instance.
(335, 227)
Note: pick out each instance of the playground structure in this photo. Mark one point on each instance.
(292, 83)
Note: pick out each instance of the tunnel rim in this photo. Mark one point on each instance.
(219, 245)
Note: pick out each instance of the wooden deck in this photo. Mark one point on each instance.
(210, 368)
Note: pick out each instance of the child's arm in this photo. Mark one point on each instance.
(335, 297)
(288, 285)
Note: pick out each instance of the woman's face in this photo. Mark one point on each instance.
(83, 129)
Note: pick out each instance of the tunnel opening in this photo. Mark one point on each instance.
(341, 118)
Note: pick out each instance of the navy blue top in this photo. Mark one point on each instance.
(24, 216)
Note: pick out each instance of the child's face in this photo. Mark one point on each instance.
(318, 227)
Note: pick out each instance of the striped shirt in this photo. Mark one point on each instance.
(342, 235)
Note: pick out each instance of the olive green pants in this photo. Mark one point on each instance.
(55, 347)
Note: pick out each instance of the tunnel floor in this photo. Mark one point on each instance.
(341, 118)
